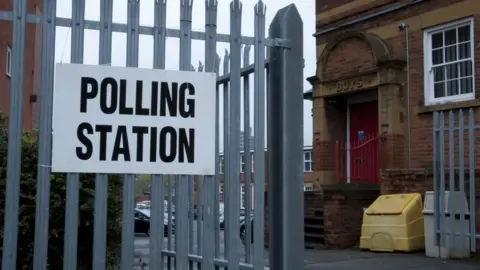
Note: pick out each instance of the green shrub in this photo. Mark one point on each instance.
(26, 228)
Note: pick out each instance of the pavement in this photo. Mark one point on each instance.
(333, 259)
(363, 260)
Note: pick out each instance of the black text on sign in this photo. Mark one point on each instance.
(166, 143)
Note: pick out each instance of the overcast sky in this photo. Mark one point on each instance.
(305, 7)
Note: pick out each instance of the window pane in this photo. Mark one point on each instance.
(464, 50)
(452, 71)
(450, 37)
(437, 40)
(308, 166)
(437, 56)
(439, 74)
(451, 53)
(464, 33)
(466, 85)
(439, 90)
(306, 156)
(465, 68)
(452, 87)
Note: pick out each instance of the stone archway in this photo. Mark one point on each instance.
(379, 49)
(356, 62)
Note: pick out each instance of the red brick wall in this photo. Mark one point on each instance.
(312, 201)
(6, 40)
(343, 212)
(353, 55)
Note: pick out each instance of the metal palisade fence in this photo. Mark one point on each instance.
(454, 176)
(282, 71)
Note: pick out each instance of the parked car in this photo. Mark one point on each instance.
(142, 222)
(243, 230)
(142, 206)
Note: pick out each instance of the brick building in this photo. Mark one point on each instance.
(307, 174)
(32, 62)
(383, 67)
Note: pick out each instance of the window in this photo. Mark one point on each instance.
(307, 188)
(449, 74)
(252, 161)
(307, 161)
(221, 164)
(221, 192)
(242, 202)
(8, 69)
(242, 163)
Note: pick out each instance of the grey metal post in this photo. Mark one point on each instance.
(157, 184)
(285, 142)
(101, 180)
(216, 193)
(232, 202)
(128, 231)
(182, 185)
(259, 133)
(15, 122)
(210, 208)
(73, 181)
(45, 136)
(247, 155)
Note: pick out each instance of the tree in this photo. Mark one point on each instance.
(26, 225)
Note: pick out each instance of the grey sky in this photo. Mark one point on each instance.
(305, 7)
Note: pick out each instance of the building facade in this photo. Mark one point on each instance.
(307, 174)
(32, 64)
(383, 68)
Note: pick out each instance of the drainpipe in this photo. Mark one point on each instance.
(404, 27)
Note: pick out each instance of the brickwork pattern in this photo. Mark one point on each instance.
(29, 114)
(343, 213)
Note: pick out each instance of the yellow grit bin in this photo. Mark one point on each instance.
(394, 223)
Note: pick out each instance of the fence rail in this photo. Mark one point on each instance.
(454, 168)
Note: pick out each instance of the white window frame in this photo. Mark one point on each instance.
(252, 160)
(242, 163)
(242, 196)
(307, 188)
(308, 160)
(428, 70)
(221, 193)
(8, 66)
(221, 164)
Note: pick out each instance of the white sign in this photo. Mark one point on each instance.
(133, 121)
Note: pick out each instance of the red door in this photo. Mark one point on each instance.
(364, 163)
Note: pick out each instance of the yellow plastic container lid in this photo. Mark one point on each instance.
(390, 204)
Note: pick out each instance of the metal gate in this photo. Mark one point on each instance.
(282, 72)
(454, 173)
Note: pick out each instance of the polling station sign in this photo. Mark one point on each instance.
(133, 121)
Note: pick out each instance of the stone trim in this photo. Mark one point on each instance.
(423, 109)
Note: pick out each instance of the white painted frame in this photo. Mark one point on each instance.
(8, 64)
(366, 97)
(427, 60)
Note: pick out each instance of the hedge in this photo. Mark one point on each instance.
(26, 229)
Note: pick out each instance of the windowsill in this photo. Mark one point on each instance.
(448, 106)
